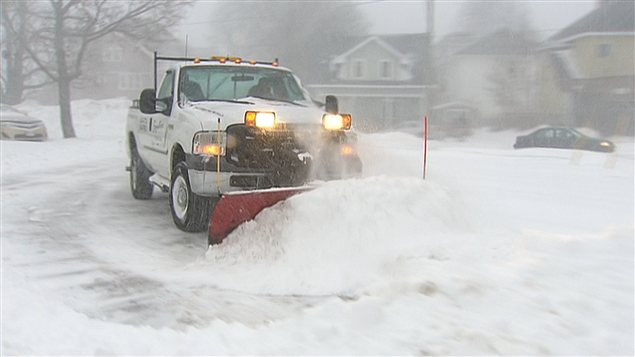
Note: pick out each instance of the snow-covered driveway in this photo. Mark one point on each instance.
(498, 252)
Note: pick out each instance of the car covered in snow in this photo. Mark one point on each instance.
(223, 124)
(562, 138)
(17, 125)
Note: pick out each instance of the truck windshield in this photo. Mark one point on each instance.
(202, 83)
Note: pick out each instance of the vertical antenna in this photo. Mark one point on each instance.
(155, 71)
(425, 145)
(186, 38)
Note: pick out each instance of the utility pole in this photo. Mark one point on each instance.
(431, 93)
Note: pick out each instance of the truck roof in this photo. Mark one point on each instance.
(229, 64)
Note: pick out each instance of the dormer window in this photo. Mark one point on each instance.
(113, 54)
(386, 69)
(358, 68)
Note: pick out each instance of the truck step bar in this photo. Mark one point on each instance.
(161, 182)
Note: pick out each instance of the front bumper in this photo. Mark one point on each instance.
(210, 183)
(26, 134)
(206, 180)
(284, 158)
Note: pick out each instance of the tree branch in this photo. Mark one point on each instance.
(39, 85)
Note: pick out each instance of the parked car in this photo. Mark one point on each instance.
(563, 138)
(16, 125)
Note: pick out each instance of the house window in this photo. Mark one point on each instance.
(359, 68)
(113, 54)
(604, 49)
(385, 69)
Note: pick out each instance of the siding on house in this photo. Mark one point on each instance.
(593, 63)
(607, 55)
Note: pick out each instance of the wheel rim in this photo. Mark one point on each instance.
(180, 197)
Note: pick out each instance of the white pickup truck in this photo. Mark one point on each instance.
(222, 124)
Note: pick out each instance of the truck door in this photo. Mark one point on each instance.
(158, 123)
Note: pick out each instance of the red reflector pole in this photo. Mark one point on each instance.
(425, 145)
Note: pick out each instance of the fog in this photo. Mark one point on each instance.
(465, 65)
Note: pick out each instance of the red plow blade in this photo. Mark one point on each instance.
(236, 208)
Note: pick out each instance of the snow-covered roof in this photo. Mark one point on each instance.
(503, 42)
(610, 17)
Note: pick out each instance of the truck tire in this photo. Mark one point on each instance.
(140, 184)
(190, 211)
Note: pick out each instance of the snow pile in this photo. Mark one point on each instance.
(339, 237)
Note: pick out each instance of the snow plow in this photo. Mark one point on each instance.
(227, 138)
(234, 209)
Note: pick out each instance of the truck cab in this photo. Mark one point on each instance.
(221, 125)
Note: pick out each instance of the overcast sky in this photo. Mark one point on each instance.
(409, 16)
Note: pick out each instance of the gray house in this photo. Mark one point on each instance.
(115, 66)
(383, 81)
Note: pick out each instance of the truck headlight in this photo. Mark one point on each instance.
(209, 143)
(337, 121)
(263, 120)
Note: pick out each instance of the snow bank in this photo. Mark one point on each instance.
(339, 237)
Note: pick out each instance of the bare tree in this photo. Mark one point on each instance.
(299, 33)
(20, 74)
(485, 17)
(66, 28)
(511, 85)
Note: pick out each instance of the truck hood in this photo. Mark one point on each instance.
(234, 113)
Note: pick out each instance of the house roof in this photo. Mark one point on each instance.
(370, 39)
(610, 16)
(452, 43)
(503, 42)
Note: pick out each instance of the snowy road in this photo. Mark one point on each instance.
(95, 245)
(498, 252)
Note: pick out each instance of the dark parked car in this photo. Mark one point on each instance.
(562, 138)
(16, 125)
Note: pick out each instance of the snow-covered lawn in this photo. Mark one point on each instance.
(499, 251)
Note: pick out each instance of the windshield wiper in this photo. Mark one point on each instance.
(279, 100)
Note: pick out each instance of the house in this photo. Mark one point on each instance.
(588, 71)
(120, 67)
(383, 80)
(114, 66)
(485, 81)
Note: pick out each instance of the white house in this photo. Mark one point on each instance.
(488, 80)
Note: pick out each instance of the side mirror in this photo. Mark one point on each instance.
(331, 105)
(148, 101)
